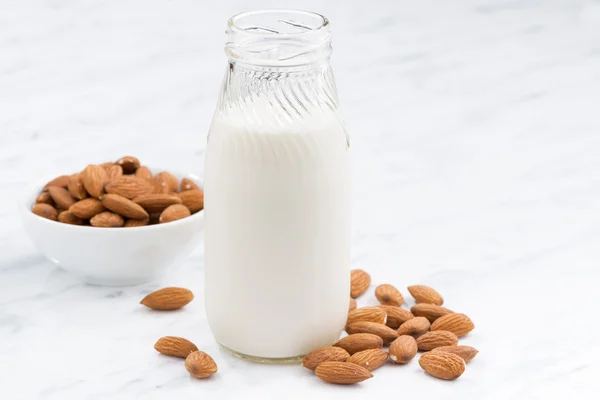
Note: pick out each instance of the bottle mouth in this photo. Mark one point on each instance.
(278, 37)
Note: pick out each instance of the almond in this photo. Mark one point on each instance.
(396, 316)
(87, 208)
(170, 298)
(67, 217)
(132, 223)
(389, 295)
(107, 164)
(316, 357)
(442, 365)
(459, 324)
(123, 206)
(431, 340)
(167, 180)
(387, 334)
(359, 282)
(114, 171)
(129, 186)
(370, 314)
(188, 184)
(175, 346)
(45, 211)
(60, 181)
(200, 365)
(157, 202)
(107, 219)
(342, 373)
(94, 178)
(352, 305)
(370, 359)
(429, 311)
(359, 342)
(425, 294)
(144, 173)
(467, 353)
(45, 198)
(415, 327)
(173, 213)
(159, 186)
(403, 349)
(75, 187)
(61, 196)
(129, 164)
(193, 199)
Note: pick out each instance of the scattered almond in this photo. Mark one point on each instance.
(359, 342)
(431, 340)
(342, 373)
(429, 311)
(175, 346)
(370, 359)
(144, 173)
(316, 357)
(170, 298)
(61, 197)
(403, 349)
(425, 294)
(193, 199)
(173, 213)
(45, 211)
(415, 327)
(60, 181)
(389, 295)
(359, 282)
(442, 365)
(107, 219)
(200, 365)
(132, 223)
(396, 316)
(129, 164)
(94, 178)
(370, 314)
(457, 323)
(188, 184)
(87, 208)
(123, 206)
(387, 334)
(67, 217)
(467, 353)
(129, 186)
(75, 187)
(352, 305)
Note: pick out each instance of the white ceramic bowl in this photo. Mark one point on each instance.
(112, 256)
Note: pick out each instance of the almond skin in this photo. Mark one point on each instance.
(370, 359)
(76, 188)
(132, 223)
(316, 357)
(67, 217)
(200, 365)
(175, 346)
(467, 353)
(168, 180)
(87, 208)
(359, 282)
(129, 186)
(157, 202)
(45, 211)
(389, 295)
(429, 311)
(144, 173)
(387, 334)
(457, 323)
(403, 349)
(415, 327)
(352, 305)
(60, 181)
(359, 342)
(61, 196)
(396, 316)
(94, 178)
(114, 171)
(107, 219)
(342, 373)
(123, 206)
(129, 164)
(45, 198)
(442, 365)
(159, 186)
(173, 213)
(425, 294)
(193, 199)
(370, 314)
(431, 340)
(169, 298)
(188, 184)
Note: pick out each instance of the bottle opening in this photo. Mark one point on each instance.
(278, 38)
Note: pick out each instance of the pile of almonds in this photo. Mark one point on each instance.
(116, 194)
(427, 327)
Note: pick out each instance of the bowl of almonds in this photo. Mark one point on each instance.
(117, 223)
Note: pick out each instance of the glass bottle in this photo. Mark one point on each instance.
(277, 192)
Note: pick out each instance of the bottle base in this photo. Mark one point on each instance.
(263, 360)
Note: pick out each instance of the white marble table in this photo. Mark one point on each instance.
(476, 132)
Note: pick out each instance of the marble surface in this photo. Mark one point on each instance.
(476, 139)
